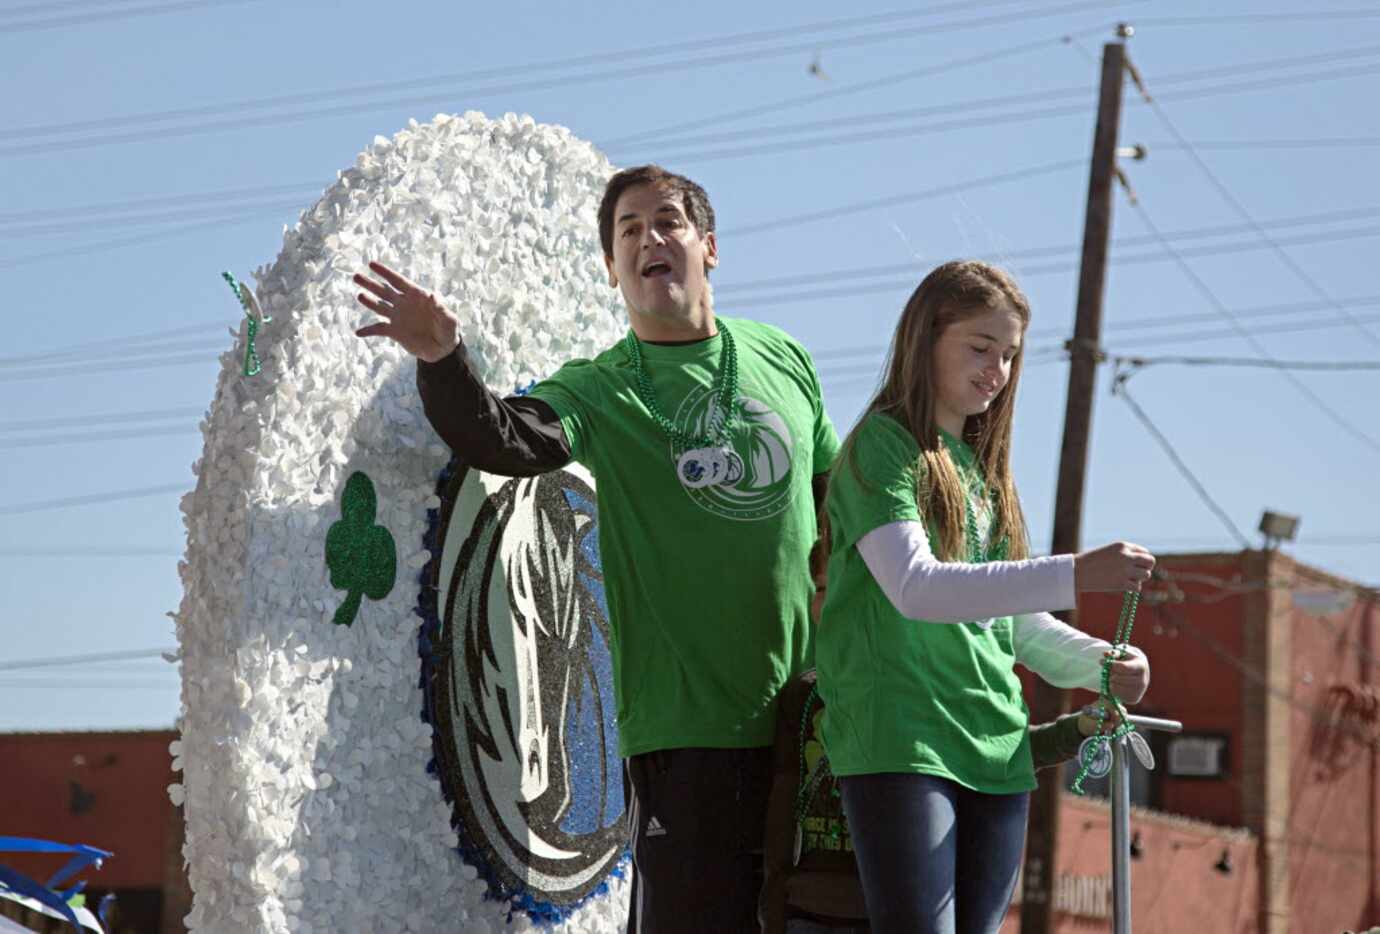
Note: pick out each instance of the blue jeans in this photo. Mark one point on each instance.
(934, 857)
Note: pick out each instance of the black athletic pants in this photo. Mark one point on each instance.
(697, 819)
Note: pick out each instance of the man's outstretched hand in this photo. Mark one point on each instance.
(413, 317)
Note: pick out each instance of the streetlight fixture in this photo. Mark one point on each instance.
(1277, 527)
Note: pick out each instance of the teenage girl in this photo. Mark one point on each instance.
(931, 600)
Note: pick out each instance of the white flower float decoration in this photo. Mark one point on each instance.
(305, 748)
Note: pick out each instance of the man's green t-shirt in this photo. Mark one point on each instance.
(905, 695)
(708, 589)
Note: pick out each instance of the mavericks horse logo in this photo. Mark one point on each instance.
(520, 682)
(762, 440)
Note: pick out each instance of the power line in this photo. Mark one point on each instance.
(137, 211)
(1129, 365)
(217, 213)
(123, 352)
(1337, 142)
(887, 81)
(88, 437)
(1182, 337)
(60, 660)
(853, 138)
(388, 87)
(1291, 309)
(108, 418)
(116, 551)
(79, 351)
(135, 208)
(119, 366)
(260, 212)
(1196, 336)
(138, 208)
(1272, 66)
(88, 685)
(1194, 233)
(869, 373)
(1271, 363)
(1245, 334)
(126, 208)
(1327, 57)
(1000, 120)
(1245, 18)
(866, 119)
(857, 207)
(104, 349)
(133, 241)
(1314, 540)
(97, 17)
(1260, 311)
(321, 112)
(139, 360)
(1119, 389)
(94, 499)
(713, 43)
(965, 105)
(622, 72)
(909, 282)
(1311, 541)
(118, 340)
(1245, 215)
(25, 9)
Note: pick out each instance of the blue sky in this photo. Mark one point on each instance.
(144, 153)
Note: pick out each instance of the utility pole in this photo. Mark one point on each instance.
(1037, 895)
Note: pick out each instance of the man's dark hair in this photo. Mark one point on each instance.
(693, 199)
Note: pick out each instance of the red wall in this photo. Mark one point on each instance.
(1194, 648)
(1334, 827)
(121, 782)
(1175, 885)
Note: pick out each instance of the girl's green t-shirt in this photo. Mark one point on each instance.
(905, 695)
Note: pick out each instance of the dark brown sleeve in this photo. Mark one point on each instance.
(515, 436)
(1055, 742)
(778, 842)
(819, 552)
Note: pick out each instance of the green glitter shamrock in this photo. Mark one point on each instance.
(361, 555)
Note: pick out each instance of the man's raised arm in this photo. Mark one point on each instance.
(512, 436)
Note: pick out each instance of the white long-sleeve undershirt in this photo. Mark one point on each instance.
(921, 587)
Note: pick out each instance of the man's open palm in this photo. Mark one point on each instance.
(413, 317)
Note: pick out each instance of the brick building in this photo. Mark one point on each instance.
(107, 790)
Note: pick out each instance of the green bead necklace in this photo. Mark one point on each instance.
(1095, 754)
(251, 308)
(705, 459)
(809, 786)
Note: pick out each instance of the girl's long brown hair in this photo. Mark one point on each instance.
(953, 291)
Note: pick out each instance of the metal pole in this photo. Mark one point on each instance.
(1121, 818)
(1155, 723)
(1121, 838)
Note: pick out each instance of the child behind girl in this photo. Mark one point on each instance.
(931, 600)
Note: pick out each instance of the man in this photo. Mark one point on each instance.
(710, 446)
